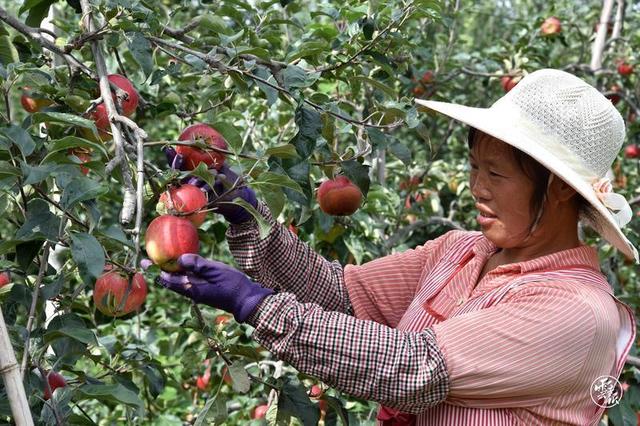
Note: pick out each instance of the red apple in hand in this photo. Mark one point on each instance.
(194, 155)
(339, 196)
(5, 278)
(169, 237)
(632, 151)
(551, 26)
(185, 199)
(259, 412)
(114, 296)
(56, 380)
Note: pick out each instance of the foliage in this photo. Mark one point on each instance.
(300, 91)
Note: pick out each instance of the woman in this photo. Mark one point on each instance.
(510, 325)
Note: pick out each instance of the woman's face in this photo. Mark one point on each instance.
(502, 192)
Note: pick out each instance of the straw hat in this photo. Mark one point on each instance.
(570, 128)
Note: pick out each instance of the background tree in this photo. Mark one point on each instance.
(301, 92)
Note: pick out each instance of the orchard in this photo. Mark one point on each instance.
(310, 104)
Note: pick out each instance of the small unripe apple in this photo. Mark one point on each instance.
(625, 68)
(31, 104)
(508, 82)
(551, 26)
(56, 380)
(632, 151)
(5, 278)
(113, 296)
(259, 412)
(185, 199)
(339, 196)
(169, 237)
(193, 155)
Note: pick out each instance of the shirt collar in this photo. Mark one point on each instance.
(581, 256)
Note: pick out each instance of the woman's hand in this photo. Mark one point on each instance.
(227, 187)
(215, 284)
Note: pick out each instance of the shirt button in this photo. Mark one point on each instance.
(460, 301)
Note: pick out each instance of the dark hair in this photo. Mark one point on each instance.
(539, 175)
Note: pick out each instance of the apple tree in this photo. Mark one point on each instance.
(292, 95)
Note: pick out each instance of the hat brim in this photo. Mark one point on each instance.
(488, 121)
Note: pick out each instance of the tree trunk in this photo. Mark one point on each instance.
(599, 43)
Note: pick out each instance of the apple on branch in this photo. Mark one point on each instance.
(188, 200)
(100, 116)
(56, 380)
(551, 26)
(33, 104)
(5, 278)
(193, 155)
(115, 296)
(339, 196)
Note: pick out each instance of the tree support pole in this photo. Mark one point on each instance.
(13, 379)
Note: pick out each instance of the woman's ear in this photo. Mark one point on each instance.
(560, 190)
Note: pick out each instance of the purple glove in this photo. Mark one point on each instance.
(215, 284)
(225, 179)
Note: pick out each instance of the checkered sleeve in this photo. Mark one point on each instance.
(283, 262)
(399, 369)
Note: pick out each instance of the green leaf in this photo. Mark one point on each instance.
(401, 152)
(40, 222)
(214, 412)
(8, 52)
(230, 134)
(115, 233)
(203, 173)
(377, 84)
(275, 179)
(8, 170)
(52, 289)
(141, 51)
(263, 225)
(282, 151)
(81, 334)
(111, 393)
(79, 189)
(38, 12)
(275, 199)
(36, 174)
(20, 138)
(65, 118)
(294, 400)
(269, 91)
(239, 377)
(70, 142)
(309, 127)
(88, 255)
(358, 174)
(214, 23)
(294, 76)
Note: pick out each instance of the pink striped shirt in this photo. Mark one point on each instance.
(428, 338)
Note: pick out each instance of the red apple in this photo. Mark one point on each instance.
(203, 381)
(31, 104)
(114, 296)
(613, 97)
(129, 105)
(293, 228)
(5, 278)
(222, 319)
(226, 376)
(56, 380)
(418, 90)
(625, 68)
(316, 391)
(84, 157)
(551, 26)
(508, 82)
(427, 77)
(632, 151)
(185, 199)
(169, 237)
(194, 155)
(259, 412)
(339, 196)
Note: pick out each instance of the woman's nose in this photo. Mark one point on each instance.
(478, 186)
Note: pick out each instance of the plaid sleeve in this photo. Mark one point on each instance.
(399, 369)
(281, 261)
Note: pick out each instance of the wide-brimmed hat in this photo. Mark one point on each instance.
(570, 128)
